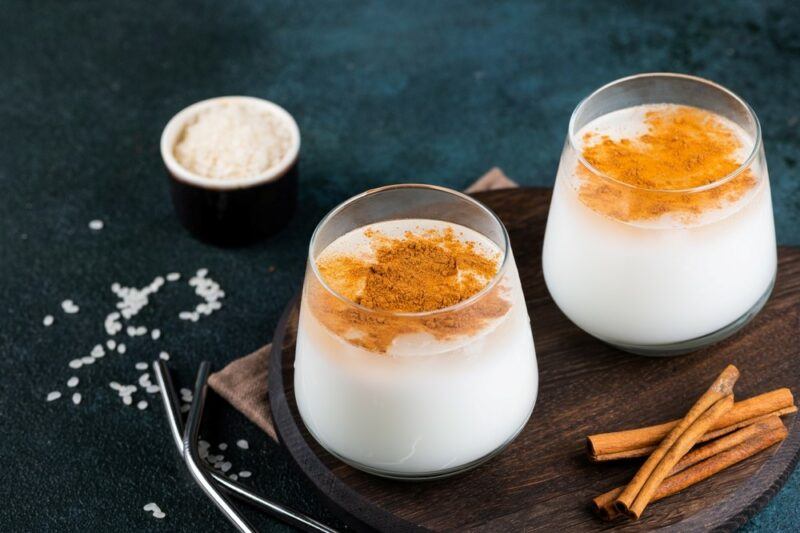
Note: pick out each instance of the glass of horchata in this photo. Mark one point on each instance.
(415, 356)
(660, 238)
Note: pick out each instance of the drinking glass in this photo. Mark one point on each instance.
(415, 395)
(692, 272)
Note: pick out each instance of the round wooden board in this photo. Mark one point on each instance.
(543, 481)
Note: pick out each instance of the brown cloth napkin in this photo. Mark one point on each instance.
(243, 383)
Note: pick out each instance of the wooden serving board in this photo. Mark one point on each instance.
(543, 481)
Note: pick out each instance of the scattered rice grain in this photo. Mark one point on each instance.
(69, 307)
(156, 510)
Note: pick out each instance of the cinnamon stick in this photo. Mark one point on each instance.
(697, 455)
(642, 441)
(711, 435)
(604, 503)
(716, 401)
(706, 461)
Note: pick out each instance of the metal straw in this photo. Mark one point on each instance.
(172, 408)
(191, 456)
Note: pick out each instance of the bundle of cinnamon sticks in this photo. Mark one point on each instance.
(734, 431)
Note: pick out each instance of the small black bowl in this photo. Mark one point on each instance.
(232, 212)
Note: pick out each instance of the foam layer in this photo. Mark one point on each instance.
(639, 157)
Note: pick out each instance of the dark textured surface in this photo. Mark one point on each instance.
(435, 92)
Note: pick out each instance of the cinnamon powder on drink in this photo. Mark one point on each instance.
(417, 273)
(683, 148)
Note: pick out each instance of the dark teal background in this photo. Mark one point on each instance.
(383, 92)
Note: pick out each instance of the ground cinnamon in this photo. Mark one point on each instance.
(417, 273)
(683, 148)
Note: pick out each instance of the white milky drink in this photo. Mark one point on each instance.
(668, 281)
(426, 406)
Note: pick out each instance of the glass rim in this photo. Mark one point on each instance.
(725, 179)
(370, 192)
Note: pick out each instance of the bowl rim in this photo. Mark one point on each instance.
(169, 137)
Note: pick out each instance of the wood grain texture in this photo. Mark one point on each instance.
(543, 481)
